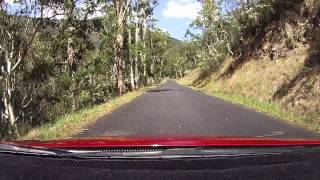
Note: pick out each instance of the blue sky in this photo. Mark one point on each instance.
(174, 16)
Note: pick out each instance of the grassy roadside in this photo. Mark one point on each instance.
(72, 124)
(271, 108)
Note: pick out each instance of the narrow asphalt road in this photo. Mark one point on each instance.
(174, 110)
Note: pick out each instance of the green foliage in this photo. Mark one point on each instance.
(180, 59)
(215, 37)
(225, 25)
(71, 63)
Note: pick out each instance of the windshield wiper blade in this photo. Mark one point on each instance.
(183, 152)
(193, 152)
(86, 154)
(8, 148)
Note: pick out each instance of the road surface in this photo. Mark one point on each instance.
(174, 110)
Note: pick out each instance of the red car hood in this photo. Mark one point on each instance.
(111, 142)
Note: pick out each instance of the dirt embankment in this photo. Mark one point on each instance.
(278, 62)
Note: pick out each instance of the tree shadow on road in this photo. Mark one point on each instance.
(162, 90)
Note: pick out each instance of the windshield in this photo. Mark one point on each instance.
(93, 69)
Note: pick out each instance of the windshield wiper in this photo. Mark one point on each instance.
(12, 149)
(163, 153)
(190, 152)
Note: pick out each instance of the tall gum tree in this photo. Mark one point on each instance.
(74, 26)
(121, 7)
(17, 32)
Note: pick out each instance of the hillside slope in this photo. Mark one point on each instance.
(278, 63)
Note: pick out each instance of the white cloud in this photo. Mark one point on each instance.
(182, 9)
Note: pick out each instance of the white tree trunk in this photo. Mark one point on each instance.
(119, 58)
(136, 58)
(144, 56)
(7, 98)
(9, 108)
(131, 60)
(121, 12)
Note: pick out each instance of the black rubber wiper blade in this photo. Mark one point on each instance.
(86, 154)
(105, 154)
(182, 152)
(8, 148)
(168, 153)
(195, 152)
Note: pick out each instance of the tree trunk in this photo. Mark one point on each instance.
(131, 60)
(145, 73)
(136, 59)
(7, 99)
(144, 56)
(71, 50)
(73, 92)
(132, 75)
(9, 110)
(119, 60)
(121, 8)
(161, 69)
(72, 65)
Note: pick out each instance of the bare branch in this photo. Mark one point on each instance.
(28, 103)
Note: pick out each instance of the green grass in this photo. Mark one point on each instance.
(72, 124)
(252, 103)
(271, 108)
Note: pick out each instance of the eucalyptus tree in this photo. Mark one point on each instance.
(18, 32)
(121, 12)
(214, 39)
(73, 38)
(142, 12)
(159, 45)
(147, 7)
(130, 26)
(131, 53)
(135, 16)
